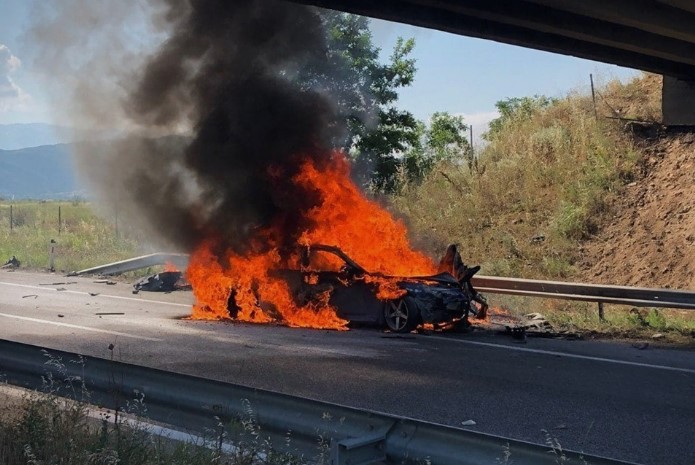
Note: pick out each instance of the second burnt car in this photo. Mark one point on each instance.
(437, 300)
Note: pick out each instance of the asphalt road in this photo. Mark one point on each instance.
(601, 398)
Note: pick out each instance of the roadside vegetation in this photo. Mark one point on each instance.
(541, 188)
(83, 239)
(42, 428)
(538, 188)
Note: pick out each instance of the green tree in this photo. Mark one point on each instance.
(514, 109)
(366, 92)
(445, 140)
(446, 137)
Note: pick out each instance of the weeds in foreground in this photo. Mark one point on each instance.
(47, 429)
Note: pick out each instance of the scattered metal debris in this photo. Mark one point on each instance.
(105, 281)
(60, 315)
(11, 264)
(58, 284)
(109, 313)
(61, 289)
(166, 281)
(30, 295)
(536, 322)
(468, 423)
(94, 294)
(518, 333)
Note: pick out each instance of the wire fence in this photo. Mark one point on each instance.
(54, 217)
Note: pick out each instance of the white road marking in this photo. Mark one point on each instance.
(563, 354)
(68, 291)
(84, 328)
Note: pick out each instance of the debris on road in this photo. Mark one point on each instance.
(94, 294)
(61, 289)
(35, 296)
(60, 315)
(11, 264)
(58, 284)
(105, 281)
(468, 423)
(518, 333)
(537, 322)
(109, 313)
(165, 281)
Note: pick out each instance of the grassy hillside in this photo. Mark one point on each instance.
(538, 189)
(561, 194)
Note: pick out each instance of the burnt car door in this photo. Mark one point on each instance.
(353, 298)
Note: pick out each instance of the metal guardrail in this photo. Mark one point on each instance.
(622, 295)
(356, 436)
(178, 259)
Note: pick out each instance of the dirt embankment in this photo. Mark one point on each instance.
(650, 239)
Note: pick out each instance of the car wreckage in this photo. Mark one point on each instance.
(447, 298)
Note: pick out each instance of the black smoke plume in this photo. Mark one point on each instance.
(226, 79)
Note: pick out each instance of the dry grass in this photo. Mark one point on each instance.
(538, 191)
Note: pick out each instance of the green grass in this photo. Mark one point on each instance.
(621, 322)
(84, 239)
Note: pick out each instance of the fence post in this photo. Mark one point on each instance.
(593, 96)
(11, 219)
(600, 312)
(51, 255)
(59, 220)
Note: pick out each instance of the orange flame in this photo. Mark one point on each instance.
(169, 266)
(344, 217)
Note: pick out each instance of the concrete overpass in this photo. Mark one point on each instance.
(652, 35)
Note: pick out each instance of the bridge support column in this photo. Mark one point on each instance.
(678, 102)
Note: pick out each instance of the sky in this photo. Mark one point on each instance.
(458, 74)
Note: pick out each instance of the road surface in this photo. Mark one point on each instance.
(601, 398)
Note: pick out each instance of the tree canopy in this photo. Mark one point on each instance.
(516, 108)
(365, 91)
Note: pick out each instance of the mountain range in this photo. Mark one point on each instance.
(19, 136)
(44, 172)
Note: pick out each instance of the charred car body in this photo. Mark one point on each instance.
(353, 291)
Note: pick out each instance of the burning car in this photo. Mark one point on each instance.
(328, 276)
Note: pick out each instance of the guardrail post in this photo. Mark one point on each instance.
(600, 312)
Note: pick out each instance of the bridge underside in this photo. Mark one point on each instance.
(652, 35)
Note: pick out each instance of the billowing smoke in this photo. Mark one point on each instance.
(229, 78)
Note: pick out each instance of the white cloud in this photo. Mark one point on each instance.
(11, 95)
(480, 122)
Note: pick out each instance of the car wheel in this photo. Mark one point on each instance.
(401, 315)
